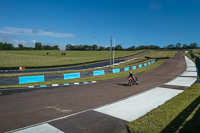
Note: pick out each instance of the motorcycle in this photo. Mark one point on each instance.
(131, 81)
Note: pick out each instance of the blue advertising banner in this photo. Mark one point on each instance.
(116, 70)
(126, 68)
(31, 79)
(99, 72)
(71, 75)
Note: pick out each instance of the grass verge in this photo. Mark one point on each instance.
(180, 114)
(96, 78)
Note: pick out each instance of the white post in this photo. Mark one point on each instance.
(114, 54)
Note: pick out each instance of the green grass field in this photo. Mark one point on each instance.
(39, 58)
(180, 114)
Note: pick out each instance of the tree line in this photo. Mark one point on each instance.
(180, 46)
(120, 48)
(38, 46)
(101, 48)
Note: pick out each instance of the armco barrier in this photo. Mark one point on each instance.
(42, 78)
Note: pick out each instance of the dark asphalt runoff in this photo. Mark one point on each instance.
(24, 109)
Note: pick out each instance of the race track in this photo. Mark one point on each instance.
(25, 109)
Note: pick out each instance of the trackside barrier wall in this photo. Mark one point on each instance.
(42, 78)
(71, 75)
(126, 68)
(99, 72)
(116, 70)
(31, 79)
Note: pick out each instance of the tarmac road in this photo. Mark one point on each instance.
(24, 109)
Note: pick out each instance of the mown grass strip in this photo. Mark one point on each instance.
(171, 116)
(39, 58)
(92, 78)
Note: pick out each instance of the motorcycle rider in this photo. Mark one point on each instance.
(131, 76)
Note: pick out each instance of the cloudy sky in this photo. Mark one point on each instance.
(81, 22)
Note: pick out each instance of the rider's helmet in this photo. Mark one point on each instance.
(130, 72)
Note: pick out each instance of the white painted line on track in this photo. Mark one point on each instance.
(44, 128)
(138, 105)
(182, 81)
(55, 85)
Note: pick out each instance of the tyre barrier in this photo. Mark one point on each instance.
(42, 78)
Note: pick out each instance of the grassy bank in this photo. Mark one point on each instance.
(180, 114)
(96, 78)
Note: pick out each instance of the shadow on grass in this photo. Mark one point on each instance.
(193, 125)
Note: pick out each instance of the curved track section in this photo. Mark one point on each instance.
(25, 109)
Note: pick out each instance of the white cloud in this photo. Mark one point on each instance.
(33, 41)
(32, 32)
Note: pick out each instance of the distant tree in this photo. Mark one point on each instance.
(86, 48)
(38, 46)
(94, 47)
(107, 48)
(171, 46)
(178, 45)
(69, 47)
(10, 47)
(55, 47)
(118, 47)
(185, 46)
(1, 46)
(193, 45)
(131, 48)
(101, 48)
(47, 47)
(20, 47)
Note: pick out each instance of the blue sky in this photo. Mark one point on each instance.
(81, 22)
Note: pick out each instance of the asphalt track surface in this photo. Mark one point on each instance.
(25, 109)
(100, 64)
